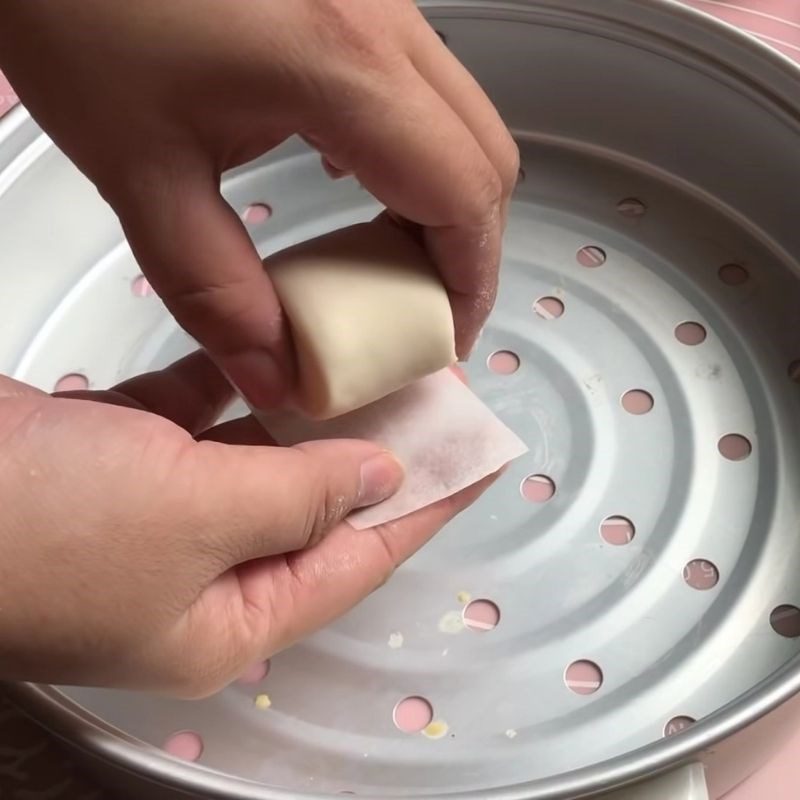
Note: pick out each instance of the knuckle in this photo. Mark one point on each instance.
(350, 23)
(204, 294)
(142, 184)
(487, 199)
(330, 507)
(227, 303)
(213, 551)
(389, 558)
(334, 508)
(326, 504)
(338, 22)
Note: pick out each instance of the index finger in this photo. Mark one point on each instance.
(448, 76)
(411, 150)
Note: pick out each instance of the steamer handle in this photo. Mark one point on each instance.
(686, 783)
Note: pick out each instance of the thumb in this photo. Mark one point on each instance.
(252, 502)
(200, 260)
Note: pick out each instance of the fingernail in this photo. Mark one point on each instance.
(381, 477)
(257, 376)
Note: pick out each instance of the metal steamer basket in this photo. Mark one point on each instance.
(619, 614)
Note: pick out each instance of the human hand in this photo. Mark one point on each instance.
(144, 549)
(153, 100)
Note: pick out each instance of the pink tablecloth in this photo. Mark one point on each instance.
(33, 768)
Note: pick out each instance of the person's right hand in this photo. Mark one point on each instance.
(154, 99)
(142, 548)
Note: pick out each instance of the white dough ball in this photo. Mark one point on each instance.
(368, 314)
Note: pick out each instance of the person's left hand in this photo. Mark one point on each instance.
(145, 547)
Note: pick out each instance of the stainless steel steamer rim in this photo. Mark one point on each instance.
(664, 29)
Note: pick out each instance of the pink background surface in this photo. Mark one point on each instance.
(777, 23)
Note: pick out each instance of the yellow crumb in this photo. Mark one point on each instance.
(463, 598)
(262, 702)
(436, 729)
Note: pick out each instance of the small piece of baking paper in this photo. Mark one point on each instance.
(444, 436)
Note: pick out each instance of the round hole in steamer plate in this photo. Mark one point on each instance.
(785, 620)
(701, 574)
(481, 615)
(733, 274)
(186, 745)
(690, 333)
(638, 402)
(583, 677)
(71, 382)
(256, 213)
(140, 287)
(537, 488)
(548, 308)
(734, 447)
(794, 371)
(412, 714)
(255, 673)
(617, 530)
(631, 207)
(591, 256)
(678, 724)
(503, 362)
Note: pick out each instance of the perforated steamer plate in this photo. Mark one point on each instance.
(643, 557)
